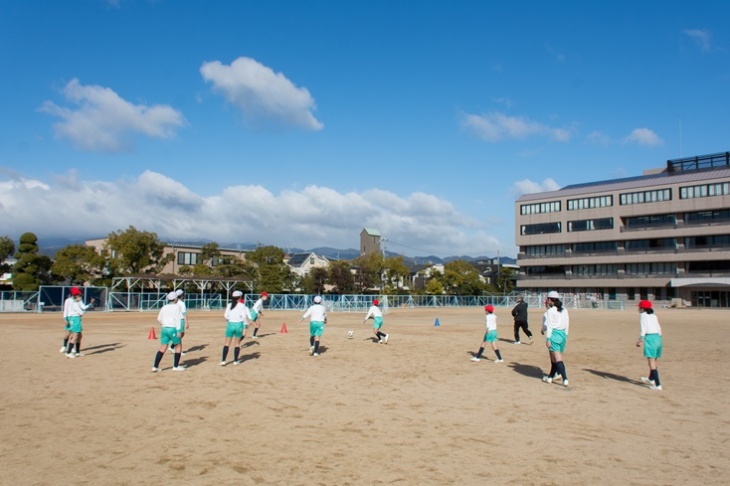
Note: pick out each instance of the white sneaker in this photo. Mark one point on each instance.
(178, 368)
(315, 354)
(498, 360)
(62, 350)
(647, 381)
(311, 350)
(70, 355)
(222, 363)
(78, 355)
(385, 339)
(380, 341)
(236, 363)
(155, 370)
(565, 382)
(547, 379)
(183, 353)
(654, 387)
(476, 359)
(516, 342)
(254, 337)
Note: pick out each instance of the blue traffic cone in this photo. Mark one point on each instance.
(437, 324)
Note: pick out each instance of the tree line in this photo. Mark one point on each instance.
(134, 252)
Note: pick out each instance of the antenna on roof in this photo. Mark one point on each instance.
(680, 137)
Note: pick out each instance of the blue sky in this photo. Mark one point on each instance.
(298, 123)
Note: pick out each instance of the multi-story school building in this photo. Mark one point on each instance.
(664, 236)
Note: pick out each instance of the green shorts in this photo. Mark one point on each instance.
(558, 340)
(377, 322)
(653, 346)
(181, 327)
(254, 316)
(316, 328)
(67, 327)
(169, 335)
(490, 336)
(74, 323)
(234, 329)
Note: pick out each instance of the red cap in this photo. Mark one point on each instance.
(376, 302)
(489, 308)
(75, 291)
(264, 294)
(645, 304)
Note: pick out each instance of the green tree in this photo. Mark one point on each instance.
(434, 287)
(314, 281)
(7, 248)
(78, 264)
(461, 278)
(210, 252)
(369, 272)
(273, 274)
(341, 278)
(31, 269)
(396, 272)
(505, 282)
(136, 252)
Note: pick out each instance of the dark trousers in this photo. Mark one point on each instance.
(523, 325)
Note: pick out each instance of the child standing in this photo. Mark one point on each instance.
(651, 336)
(317, 319)
(490, 336)
(169, 318)
(377, 316)
(66, 309)
(236, 315)
(555, 326)
(76, 309)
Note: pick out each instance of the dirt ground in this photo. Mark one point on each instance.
(415, 411)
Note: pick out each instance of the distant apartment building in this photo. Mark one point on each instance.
(664, 235)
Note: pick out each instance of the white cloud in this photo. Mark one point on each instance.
(527, 186)
(416, 224)
(103, 121)
(644, 136)
(262, 94)
(598, 138)
(701, 37)
(495, 127)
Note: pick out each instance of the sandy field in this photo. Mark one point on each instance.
(415, 411)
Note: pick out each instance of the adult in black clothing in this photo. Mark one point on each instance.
(519, 312)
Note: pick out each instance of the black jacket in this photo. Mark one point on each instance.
(520, 311)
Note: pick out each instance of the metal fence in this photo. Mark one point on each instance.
(50, 299)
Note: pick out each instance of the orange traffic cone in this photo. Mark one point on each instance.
(152, 334)
(283, 328)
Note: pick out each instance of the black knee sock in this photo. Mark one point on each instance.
(158, 358)
(225, 353)
(381, 335)
(236, 353)
(311, 341)
(499, 355)
(70, 347)
(255, 330)
(656, 378)
(176, 360)
(553, 369)
(560, 366)
(316, 346)
(479, 353)
(78, 347)
(65, 342)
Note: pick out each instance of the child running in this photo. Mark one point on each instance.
(237, 316)
(490, 336)
(76, 309)
(256, 313)
(555, 326)
(66, 309)
(169, 318)
(651, 336)
(377, 316)
(317, 319)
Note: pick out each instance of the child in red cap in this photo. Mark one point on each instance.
(651, 336)
(490, 336)
(377, 316)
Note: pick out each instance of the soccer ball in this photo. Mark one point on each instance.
(350, 334)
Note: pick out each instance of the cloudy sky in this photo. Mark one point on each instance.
(299, 123)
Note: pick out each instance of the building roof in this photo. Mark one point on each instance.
(371, 231)
(645, 181)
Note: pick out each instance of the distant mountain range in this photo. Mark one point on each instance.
(49, 247)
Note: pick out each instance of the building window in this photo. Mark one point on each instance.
(540, 228)
(640, 222)
(545, 270)
(590, 224)
(539, 208)
(651, 244)
(717, 216)
(545, 250)
(704, 190)
(590, 203)
(187, 258)
(595, 247)
(588, 270)
(719, 241)
(642, 197)
(716, 267)
(659, 268)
